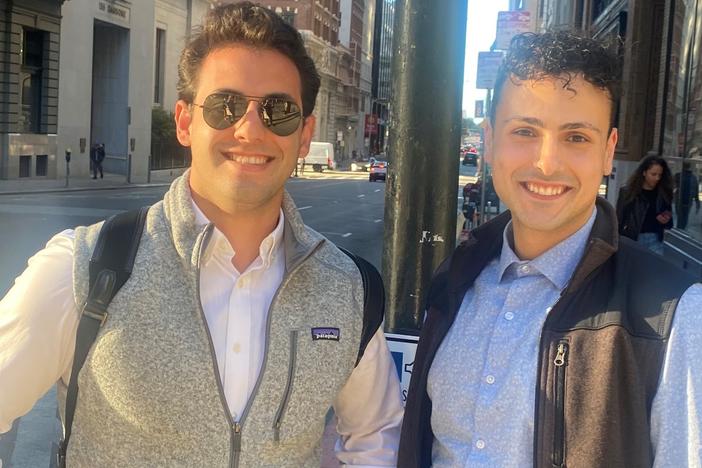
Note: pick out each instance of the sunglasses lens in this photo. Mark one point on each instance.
(221, 111)
(281, 116)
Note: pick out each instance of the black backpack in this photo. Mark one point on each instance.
(110, 267)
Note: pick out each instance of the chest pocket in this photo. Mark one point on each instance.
(317, 369)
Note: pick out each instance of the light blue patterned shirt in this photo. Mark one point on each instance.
(482, 382)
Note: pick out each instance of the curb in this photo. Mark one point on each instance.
(81, 189)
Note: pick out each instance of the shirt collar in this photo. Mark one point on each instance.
(219, 245)
(557, 264)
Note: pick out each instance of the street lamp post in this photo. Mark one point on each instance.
(422, 179)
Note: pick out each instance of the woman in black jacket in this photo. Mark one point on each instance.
(644, 206)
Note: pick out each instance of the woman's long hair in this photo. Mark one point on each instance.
(635, 183)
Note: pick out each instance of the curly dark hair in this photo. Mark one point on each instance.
(636, 180)
(251, 25)
(559, 54)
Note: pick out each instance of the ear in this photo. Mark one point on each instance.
(488, 134)
(183, 118)
(609, 151)
(306, 137)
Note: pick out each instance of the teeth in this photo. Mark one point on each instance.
(547, 190)
(250, 159)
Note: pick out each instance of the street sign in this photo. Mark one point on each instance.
(509, 24)
(402, 348)
(479, 109)
(488, 64)
(371, 124)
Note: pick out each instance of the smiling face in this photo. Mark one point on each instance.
(243, 167)
(549, 148)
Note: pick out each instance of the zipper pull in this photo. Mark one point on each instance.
(561, 355)
(237, 437)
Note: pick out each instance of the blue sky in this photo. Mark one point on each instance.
(480, 34)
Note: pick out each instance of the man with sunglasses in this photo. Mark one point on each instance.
(239, 326)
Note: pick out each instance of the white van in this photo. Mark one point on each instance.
(321, 156)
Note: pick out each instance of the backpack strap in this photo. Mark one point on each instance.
(373, 300)
(110, 267)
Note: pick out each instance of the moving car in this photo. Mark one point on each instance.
(378, 171)
(470, 157)
(362, 165)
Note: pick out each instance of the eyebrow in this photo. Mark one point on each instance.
(539, 123)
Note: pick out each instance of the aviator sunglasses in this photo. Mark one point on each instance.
(222, 110)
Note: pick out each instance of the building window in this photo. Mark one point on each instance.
(41, 165)
(160, 59)
(25, 166)
(288, 17)
(32, 53)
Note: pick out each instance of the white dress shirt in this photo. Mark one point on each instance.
(39, 318)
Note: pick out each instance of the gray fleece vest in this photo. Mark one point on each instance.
(150, 393)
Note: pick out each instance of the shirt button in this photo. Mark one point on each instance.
(509, 316)
(236, 347)
(524, 268)
(480, 444)
(490, 379)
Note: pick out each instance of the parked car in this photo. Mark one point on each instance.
(378, 171)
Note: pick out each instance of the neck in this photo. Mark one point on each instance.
(529, 243)
(245, 229)
(648, 187)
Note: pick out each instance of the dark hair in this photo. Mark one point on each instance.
(250, 25)
(635, 183)
(559, 54)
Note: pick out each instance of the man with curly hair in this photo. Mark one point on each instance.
(549, 340)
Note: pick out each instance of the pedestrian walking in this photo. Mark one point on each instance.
(644, 205)
(687, 193)
(239, 326)
(550, 340)
(97, 156)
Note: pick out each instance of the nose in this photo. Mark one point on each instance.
(250, 127)
(547, 160)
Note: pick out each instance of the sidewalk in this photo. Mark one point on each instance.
(82, 183)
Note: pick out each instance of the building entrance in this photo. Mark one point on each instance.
(110, 117)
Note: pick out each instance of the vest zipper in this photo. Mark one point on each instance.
(288, 387)
(561, 362)
(234, 427)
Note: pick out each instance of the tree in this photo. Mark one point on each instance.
(469, 125)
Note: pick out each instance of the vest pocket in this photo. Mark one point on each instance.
(560, 362)
(288, 386)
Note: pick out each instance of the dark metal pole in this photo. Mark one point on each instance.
(425, 134)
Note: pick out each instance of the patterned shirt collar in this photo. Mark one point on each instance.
(557, 264)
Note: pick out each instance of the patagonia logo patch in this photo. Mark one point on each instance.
(325, 334)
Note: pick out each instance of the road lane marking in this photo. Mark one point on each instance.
(378, 221)
(346, 235)
(361, 196)
(377, 190)
(303, 208)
